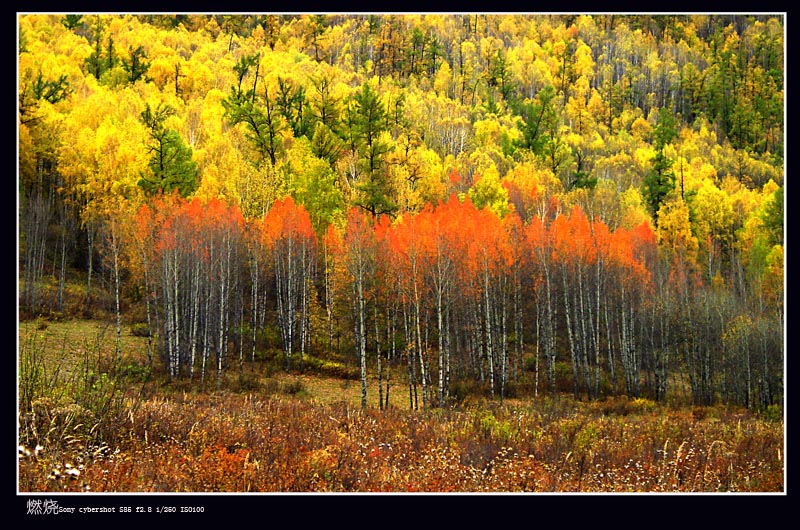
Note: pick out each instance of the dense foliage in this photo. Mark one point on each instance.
(493, 203)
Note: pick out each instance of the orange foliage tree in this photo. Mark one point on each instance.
(289, 236)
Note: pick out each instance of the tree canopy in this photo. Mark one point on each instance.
(601, 190)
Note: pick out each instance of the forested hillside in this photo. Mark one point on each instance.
(507, 205)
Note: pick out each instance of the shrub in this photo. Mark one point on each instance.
(773, 413)
(465, 391)
(564, 379)
(53, 424)
(140, 329)
(270, 386)
(500, 430)
(587, 436)
(340, 370)
(294, 388)
(616, 406)
(247, 382)
(640, 405)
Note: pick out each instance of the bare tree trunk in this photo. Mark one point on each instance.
(328, 298)
(254, 286)
(305, 267)
(488, 328)
(224, 288)
(610, 342)
(440, 327)
(584, 307)
(519, 344)
(409, 351)
(630, 359)
(423, 375)
(150, 330)
(447, 357)
(206, 330)
(194, 321)
(663, 359)
(171, 321)
(176, 322)
(596, 332)
(625, 349)
(37, 219)
(570, 333)
(240, 327)
(378, 355)
(115, 253)
(477, 343)
(391, 353)
(549, 332)
(503, 345)
(537, 330)
(362, 339)
(90, 236)
(63, 272)
(285, 277)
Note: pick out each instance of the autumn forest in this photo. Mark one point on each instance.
(457, 213)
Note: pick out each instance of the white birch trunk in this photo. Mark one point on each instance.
(423, 375)
(362, 336)
(570, 334)
(115, 254)
(488, 328)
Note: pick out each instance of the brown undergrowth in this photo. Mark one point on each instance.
(91, 423)
(228, 442)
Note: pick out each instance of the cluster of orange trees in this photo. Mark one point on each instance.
(454, 293)
(498, 203)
